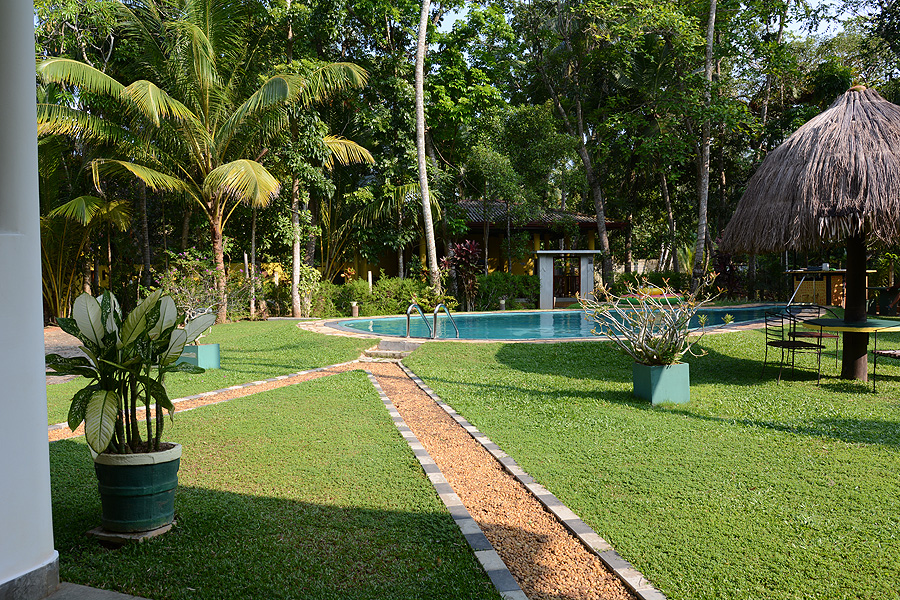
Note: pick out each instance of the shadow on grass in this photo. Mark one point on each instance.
(235, 545)
(715, 368)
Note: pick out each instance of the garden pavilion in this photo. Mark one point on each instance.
(836, 179)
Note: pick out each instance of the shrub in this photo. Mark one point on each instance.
(389, 296)
(677, 282)
(190, 280)
(506, 286)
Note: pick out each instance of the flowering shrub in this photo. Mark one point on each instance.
(190, 280)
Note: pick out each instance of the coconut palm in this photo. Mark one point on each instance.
(191, 128)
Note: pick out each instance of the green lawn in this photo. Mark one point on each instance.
(249, 351)
(301, 492)
(753, 490)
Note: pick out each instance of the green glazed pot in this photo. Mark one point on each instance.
(137, 491)
(662, 383)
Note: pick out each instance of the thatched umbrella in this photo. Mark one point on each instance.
(836, 179)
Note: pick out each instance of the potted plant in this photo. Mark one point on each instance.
(653, 326)
(126, 362)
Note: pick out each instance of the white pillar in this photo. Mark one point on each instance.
(586, 276)
(28, 562)
(545, 271)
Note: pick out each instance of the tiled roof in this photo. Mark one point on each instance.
(476, 210)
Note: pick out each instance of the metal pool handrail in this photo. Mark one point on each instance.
(452, 322)
(409, 312)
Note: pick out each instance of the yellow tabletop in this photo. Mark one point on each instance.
(868, 326)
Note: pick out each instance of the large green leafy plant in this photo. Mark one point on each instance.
(126, 362)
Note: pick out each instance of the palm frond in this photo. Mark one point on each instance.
(81, 209)
(244, 180)
(154, 103)
(63, 120)
(154, 179)
(202, 58)
(345, 152)
(72, 72)
(330, 79)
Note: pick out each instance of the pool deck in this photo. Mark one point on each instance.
(335, 327)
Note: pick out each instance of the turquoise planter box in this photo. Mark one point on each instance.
(205, 356)
(658, 384)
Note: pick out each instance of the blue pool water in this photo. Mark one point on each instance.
(546, 325)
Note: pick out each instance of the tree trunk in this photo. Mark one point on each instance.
(508, 240)
(762, 147)
(433, 272)
(186, 227)
(145, 235)
(703, 166)
(219, 256)
(251, 271)
(854, 364)
(296, 309)
(670, 218)
(86, 263)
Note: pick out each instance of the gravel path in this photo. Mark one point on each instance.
(546, 560)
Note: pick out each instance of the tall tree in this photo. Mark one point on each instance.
(200, 115)
(434, 273)
(703, 159)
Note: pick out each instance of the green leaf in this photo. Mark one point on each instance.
(70, 327)
(168, 314)
(244, 180)
(176, 347)
(100, 419)
(184, 367)
(195, 327)
(155, 103)
(64, 70)
(86, 312)
(158, 393)
(136, 322)
(79, 406)
(62, 365)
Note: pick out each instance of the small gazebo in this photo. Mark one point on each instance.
(834, 180)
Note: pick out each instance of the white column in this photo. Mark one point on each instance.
(586, 276)
(28, 562)
(545, 271)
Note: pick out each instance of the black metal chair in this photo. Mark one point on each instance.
(780, 325)
(805, 312)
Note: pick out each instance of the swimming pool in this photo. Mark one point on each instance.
(537, 325)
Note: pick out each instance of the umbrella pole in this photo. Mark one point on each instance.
(855, 359)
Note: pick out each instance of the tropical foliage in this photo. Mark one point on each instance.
(127, 358)
(286, 130)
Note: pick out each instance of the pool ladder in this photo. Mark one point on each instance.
(432, 331)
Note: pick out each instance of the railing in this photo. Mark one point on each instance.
(437, 309)
(419, 309)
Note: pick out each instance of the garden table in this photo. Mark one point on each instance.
(873, 326)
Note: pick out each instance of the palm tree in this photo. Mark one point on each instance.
(190, 129)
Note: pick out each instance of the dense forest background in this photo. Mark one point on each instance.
(652, 114)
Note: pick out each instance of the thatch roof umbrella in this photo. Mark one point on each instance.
(835, 179)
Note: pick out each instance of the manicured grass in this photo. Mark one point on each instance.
(249, 351)
(301, 492)
(753, 490)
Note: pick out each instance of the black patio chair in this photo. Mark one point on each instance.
(805, 312)
(780, 325)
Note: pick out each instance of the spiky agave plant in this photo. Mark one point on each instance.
(126, 362)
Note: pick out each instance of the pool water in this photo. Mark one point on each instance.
(544, 325)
